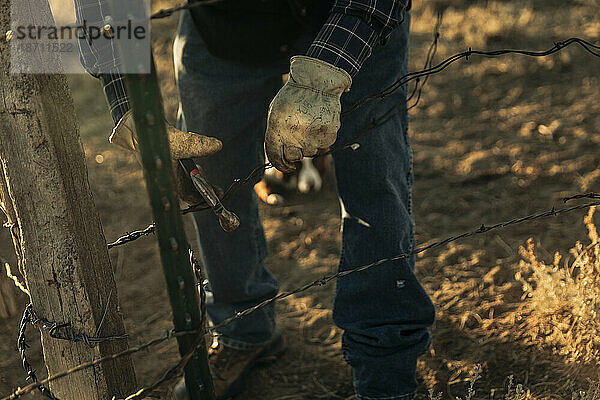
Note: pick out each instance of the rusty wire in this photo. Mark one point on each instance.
(319, 282)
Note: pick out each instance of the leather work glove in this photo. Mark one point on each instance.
(182, 145)
(304, 117)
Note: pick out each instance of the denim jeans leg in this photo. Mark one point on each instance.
(384, 311)
(229, 101)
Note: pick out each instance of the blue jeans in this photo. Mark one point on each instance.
(384, 311)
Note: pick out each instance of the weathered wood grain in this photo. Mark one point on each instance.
(57, 231)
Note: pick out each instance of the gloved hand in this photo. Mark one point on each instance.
(304, 117)
(182, 145)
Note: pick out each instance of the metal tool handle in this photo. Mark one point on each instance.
(228, 220)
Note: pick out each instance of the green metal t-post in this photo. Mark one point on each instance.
(145, 98)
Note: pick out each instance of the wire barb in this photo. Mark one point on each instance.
(64, 331)
(591, 195)
(22, 345)
(132, 236)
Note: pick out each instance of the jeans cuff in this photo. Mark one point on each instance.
(241, 345)
(408, 396)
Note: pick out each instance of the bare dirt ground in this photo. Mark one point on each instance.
(492, 139)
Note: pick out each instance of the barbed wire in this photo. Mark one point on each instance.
(319, 282)
(60, 331)
(328, 278)
(590, 195)
(33, 386)
(64, 332)
(385, 117)
(395, 110)
(22, 347)
(56, 331)
(418, 90)
(558, 46)
(176, 371)
(169, 334)
(132, 236)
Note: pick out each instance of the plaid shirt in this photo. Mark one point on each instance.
(353, 28)
(346, 40)
(95, 12)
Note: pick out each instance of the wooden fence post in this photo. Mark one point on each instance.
(57, 230)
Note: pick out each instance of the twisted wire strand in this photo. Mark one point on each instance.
(22, 345)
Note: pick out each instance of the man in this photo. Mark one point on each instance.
(229, 60)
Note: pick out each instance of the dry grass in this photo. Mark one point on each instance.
(562, 301)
